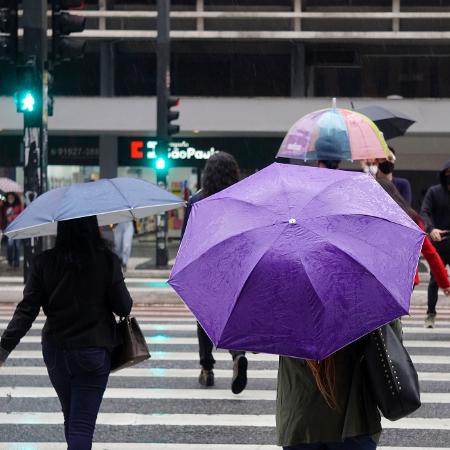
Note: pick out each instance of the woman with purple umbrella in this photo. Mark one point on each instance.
(221, 171)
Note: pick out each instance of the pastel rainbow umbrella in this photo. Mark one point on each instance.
(334, 134)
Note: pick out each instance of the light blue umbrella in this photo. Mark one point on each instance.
(112, 201)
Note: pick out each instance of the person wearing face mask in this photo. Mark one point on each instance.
(436, 215)
(386, 171)
(369, 166)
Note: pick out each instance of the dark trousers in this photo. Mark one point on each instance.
(433, 288)
(79, 378)
(205, 348)
(13, 253)
(356, 443)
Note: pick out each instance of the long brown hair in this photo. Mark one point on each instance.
(390, 188)
(324, 373)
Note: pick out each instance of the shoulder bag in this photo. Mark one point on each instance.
(133, 348)
(391, 375)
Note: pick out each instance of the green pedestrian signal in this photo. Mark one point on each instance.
(26, 101)
(160, 163)
(27, 97)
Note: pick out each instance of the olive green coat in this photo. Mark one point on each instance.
(303, 416)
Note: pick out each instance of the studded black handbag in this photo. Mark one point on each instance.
(390, 374)
(133, 347)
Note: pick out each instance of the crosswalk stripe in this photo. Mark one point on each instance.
(161, 372)
(224, 356)
(163, 339)
(193, 327)
(150, 319)
(147, 446)
(182, 394)
(211, 420)
(151, 372)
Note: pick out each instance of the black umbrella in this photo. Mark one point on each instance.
(391, 123)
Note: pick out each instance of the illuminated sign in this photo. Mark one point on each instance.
(177, 150)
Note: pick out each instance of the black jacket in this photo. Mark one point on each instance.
(436, 208)
(79, 303)
(194, 199)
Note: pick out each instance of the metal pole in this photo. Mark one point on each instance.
(163, 93)
(35, 142)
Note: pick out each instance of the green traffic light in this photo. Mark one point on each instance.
(27, 102)
(160, 164)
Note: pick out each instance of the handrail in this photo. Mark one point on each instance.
(262, 15)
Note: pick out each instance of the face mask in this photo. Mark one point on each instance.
(386, 167)
(372, 169)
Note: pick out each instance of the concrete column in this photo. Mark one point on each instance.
(297, 7)
(107, 142)
(298, 70)
(395, 9)
(200, 7)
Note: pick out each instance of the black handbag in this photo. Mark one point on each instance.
(132, 349)
(391, 375)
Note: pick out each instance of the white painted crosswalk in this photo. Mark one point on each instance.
(158, 405)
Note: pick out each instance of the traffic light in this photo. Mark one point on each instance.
(63, 24)
(160, 163)
(8, 30)
(28, 95)
(172, 115)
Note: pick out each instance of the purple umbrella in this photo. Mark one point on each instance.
(297, 261)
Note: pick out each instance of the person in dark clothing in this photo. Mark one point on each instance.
(436, 215)
(386, 171)
(221, 171)
(80, 286)
(13, 207)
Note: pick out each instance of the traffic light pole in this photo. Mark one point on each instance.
(35, 125)
(163, 92)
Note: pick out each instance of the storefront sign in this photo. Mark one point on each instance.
(65, 150)
(177, 150)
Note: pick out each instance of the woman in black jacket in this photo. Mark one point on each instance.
(79, 285)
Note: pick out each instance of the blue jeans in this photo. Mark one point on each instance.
(79, 378)
(355, 443)
(13, 253)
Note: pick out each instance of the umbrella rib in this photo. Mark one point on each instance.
(248, 276)
(283, 184)
(125, 198)
(218, 243)
(343, 180)
(363, 215)
(208, 199)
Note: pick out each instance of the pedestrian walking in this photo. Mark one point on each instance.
(13, 208)
(123, 241)
(327, 405)
(429, 252)
(79, 285)
(436, 216)
(386, 168)
(221, 171)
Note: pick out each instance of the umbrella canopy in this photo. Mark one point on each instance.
(391, 123)
(8, 185)
(334, 134)
(297, 261)
(112, 201)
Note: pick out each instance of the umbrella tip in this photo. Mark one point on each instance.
(333, 103)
